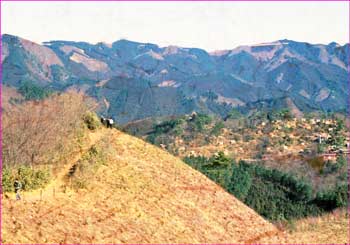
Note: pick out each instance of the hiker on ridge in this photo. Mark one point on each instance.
(18, 186)
(103, 120)
(110, 123)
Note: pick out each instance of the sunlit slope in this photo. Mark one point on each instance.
(140, 194)
(332, 228)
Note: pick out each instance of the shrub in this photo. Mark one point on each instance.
(247, 137)
(201, 120)
(217, 128)
(30, 91)
(316, 163)
(261, 147)
(33, 179)
(333, 198)
(178, 130)
(220, 160)
(173, 126)
(330, 167)
(234, 114)
(88, 165)
(79, 183)
(340, 124)
(321, 148)
(166, 126)
(285, 114)
(7, 180)
(197, 162)
(91, 121)
(151, 138)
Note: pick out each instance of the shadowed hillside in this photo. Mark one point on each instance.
(134, 80)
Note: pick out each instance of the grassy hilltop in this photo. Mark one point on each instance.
(84, 183)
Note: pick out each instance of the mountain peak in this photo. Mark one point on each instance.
(246, 73)
(334, 44)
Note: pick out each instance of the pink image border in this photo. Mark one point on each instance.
(1, 73)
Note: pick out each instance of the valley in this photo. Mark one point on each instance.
(247, 145)
(265, 148)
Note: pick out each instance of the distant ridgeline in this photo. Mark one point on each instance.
(132, 80)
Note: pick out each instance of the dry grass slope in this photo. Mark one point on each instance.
(142, 194)
(331, 228)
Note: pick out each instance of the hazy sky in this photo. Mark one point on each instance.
(208, 25)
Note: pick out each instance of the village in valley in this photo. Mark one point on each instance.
(304, 145)
(250, 139)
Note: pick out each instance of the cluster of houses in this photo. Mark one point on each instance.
(333, 151)
(328, 125)
(322, 131)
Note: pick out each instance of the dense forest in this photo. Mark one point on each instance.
(274, 194)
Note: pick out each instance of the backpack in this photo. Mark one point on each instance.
(17, 185)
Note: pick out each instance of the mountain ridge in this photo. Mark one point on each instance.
(212, 52)
(312, 76)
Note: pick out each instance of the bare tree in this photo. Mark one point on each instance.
(38, 132)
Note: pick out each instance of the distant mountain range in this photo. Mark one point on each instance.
(134, 80)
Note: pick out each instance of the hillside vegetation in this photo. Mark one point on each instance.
(275, 139)
(109, 187)
(136, 194)
(38, 136)
(99, 185)
(332, 228)
(273, 162)
(276, 195)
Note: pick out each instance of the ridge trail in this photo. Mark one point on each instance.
(54, 188)
(140, 194)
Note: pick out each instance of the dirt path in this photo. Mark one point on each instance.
(54, 188)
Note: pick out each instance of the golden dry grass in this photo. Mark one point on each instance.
(332, 228)
(142, 194)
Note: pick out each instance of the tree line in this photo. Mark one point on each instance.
(274, 194)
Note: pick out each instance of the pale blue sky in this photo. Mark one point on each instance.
(208, 25)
